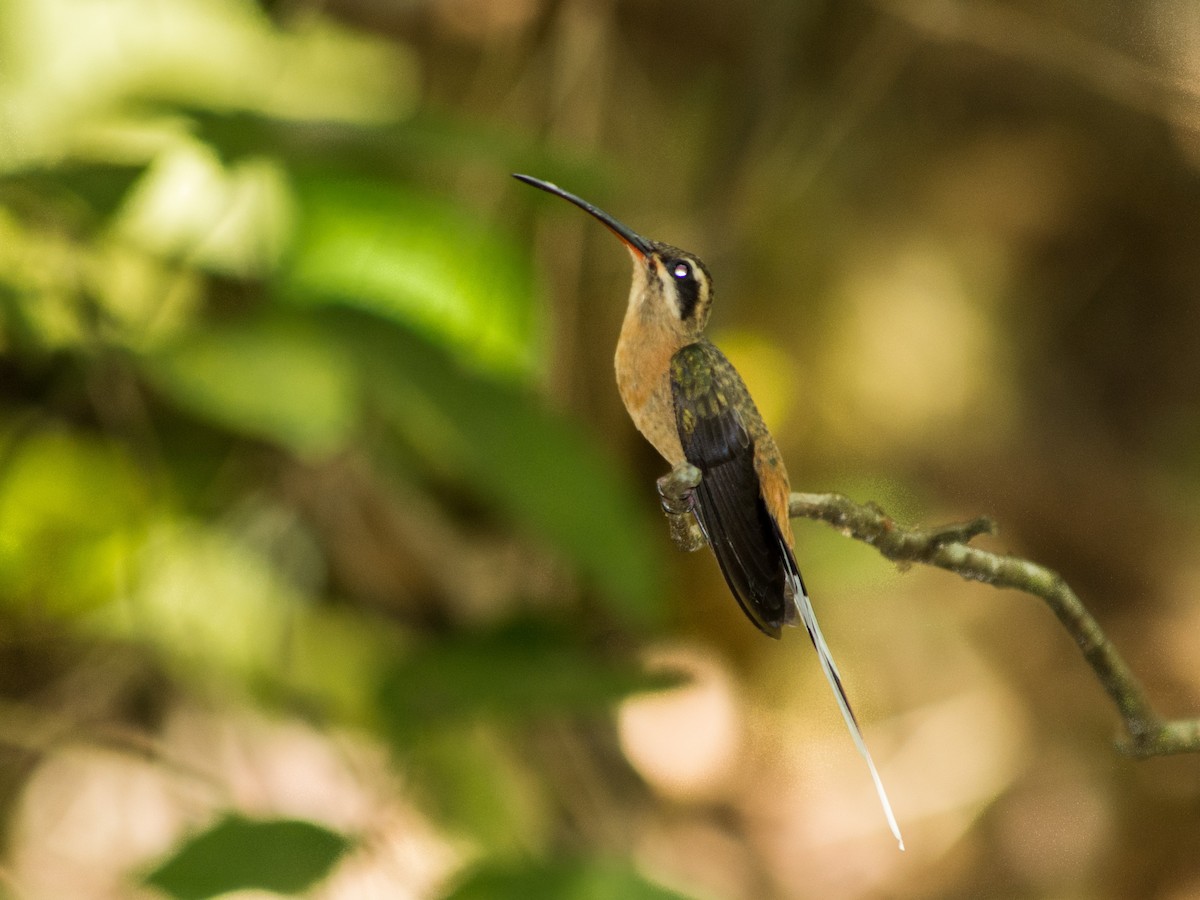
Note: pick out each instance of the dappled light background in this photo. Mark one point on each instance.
(330, 563)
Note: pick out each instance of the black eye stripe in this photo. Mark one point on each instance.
(687, 288)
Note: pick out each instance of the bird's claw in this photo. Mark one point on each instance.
(677, 491)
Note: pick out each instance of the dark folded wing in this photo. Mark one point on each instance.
(730, 505)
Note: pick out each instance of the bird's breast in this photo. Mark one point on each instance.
(643, 364)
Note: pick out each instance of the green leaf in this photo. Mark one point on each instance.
(84, 192)
(270, 378)
(418, 261)
(436, 704)
(282, 855)
(436, 140)
(521, 668)
(209, 599)
(475, 783)
(499, 442)
(72, 511)
(569, 880)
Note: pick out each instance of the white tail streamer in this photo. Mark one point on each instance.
(804, 607)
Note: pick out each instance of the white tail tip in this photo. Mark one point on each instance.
(804, 607)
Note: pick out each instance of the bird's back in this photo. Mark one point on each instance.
(742, 478)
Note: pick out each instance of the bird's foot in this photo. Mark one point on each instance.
(677, 491)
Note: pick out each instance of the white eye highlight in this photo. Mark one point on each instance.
(681, 270)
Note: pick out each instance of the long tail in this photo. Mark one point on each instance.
(804, 607)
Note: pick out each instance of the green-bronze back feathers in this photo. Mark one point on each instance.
(718, 428)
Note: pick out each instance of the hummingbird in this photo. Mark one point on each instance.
(691, 404)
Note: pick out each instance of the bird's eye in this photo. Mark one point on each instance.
(682, 270)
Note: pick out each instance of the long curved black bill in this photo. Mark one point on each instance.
(631, 238)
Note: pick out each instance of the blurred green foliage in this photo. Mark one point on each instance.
(580, 880)
(274, 378)
(283, 449)
(221, 276)
(523, 668)
(281, 856)
(423, 263)
(72, 513)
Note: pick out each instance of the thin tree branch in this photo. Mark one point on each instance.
(948, 548)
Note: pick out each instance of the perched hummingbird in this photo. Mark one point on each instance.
(687, 399)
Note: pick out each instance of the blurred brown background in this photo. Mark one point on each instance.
(317, 501)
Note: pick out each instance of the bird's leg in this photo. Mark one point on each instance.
(677, 492)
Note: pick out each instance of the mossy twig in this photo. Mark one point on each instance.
(948, 547)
